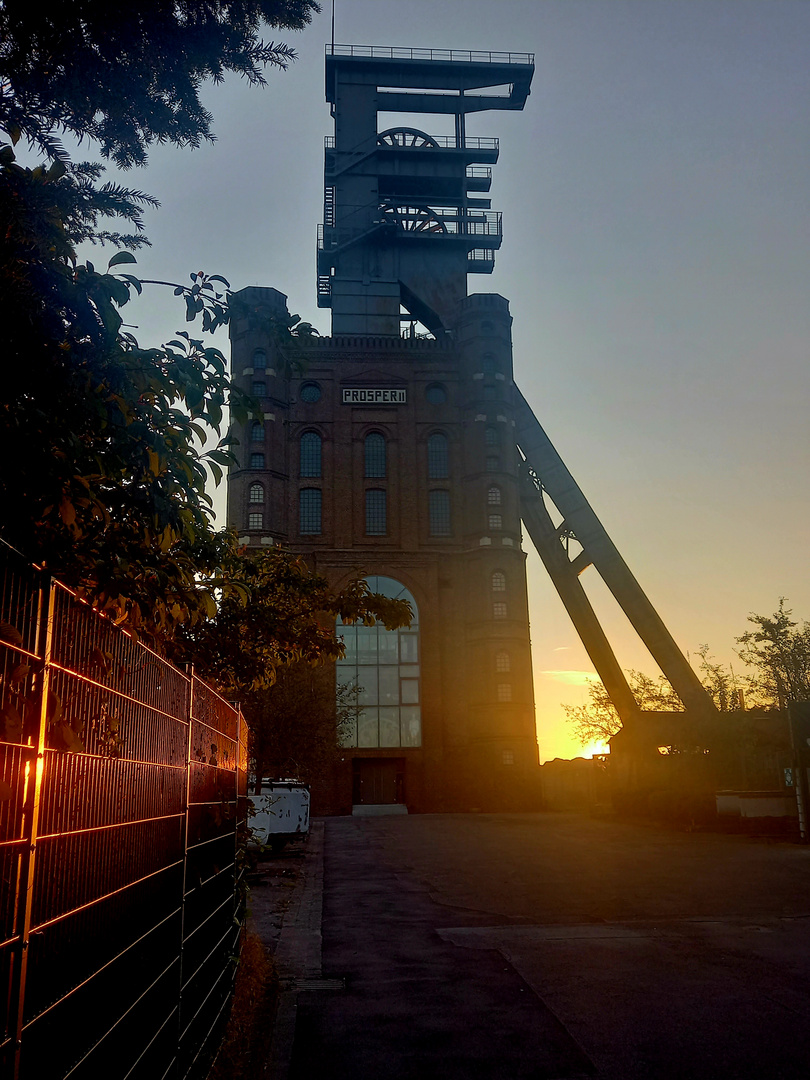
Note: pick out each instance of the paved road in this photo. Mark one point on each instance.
(511, 947)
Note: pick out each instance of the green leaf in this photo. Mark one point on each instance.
(121, 257)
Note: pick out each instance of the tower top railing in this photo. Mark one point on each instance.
(453, 56)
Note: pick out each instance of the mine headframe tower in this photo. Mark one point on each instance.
(406, 216)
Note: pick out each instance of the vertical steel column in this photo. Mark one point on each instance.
(184, 876)
(45, 626)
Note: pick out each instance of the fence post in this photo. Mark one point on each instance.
(33, 794)
(184, 876)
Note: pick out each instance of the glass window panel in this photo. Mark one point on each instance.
(504, 691)
(494, 496)
(499, 581)
(502, 662)
(349, 635)
(438, 457)
(410, 691)
(255, 520)
(409, 671)
(257, 461)
(256, 493)
(495, 521)
(310, 511)
(260, 360)
(498, 610)
(375, 454)
(389, 685)
(410, 725)
(367, 685)
(492, 464)
(368, 728)
(439, 513)
(367, 644)
(491, 436)
(408, 648)
(259, 390)
(310, 392)
(376, 524)
(387, 646)
(257, 432)
(310, 454)
(389, 727)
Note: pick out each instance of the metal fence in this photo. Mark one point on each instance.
(123, 794)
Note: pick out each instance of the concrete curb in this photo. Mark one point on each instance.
(298, 954)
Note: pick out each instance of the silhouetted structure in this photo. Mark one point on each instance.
(397, 447)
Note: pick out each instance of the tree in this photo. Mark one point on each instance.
(296, 724)
(778, 650)
(129, 75)
(598, 720)
(275, 611)
(108, 485)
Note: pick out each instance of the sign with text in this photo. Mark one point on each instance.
(371, 396)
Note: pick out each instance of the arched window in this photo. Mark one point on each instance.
(491, 436)
(378, 678)
(494, 496)
(502, 662)
(438, 457)
(375, 455)
(256, 493)
(310, 454)
(259, 360)
(439, 513)
(309, 511)
(376, 518)
(498, 581)
(257, 431)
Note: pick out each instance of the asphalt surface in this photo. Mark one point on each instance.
(543, 946)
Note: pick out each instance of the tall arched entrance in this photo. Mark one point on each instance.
(379, 702)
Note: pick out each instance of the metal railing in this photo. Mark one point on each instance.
(383, 52)
(122, 800)
(442, 142)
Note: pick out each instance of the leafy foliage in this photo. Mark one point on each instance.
(295, 725)
(107, 438)
(129, 75)
(778, 650)
(273, 610)
(598, 721)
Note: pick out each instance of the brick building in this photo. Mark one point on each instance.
(389, 448)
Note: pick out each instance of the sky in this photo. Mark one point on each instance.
(656, 256)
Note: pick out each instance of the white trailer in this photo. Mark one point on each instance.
(280, 813)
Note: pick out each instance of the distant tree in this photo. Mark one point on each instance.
(296, 725)
(129, 75)
(778, 650)
(598, 720)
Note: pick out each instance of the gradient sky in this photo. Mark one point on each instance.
(656, 256)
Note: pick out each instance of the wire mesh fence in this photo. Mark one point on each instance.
(122, 799)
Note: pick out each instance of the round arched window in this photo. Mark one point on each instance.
(259, 360)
